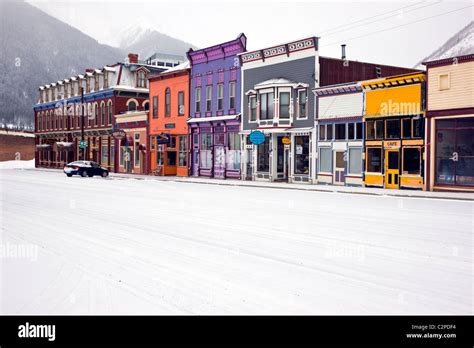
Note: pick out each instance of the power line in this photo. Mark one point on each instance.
(367, 18)
(398, 26)
(384, 18)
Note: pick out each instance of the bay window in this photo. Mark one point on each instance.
(266, 106)
(284, 105)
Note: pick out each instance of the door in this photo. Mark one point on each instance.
(392, 168)
(195, 162)
(248, 164)
(282, 159)
(339, 167)
(219, 162)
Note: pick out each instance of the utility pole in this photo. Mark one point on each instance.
(82, 126)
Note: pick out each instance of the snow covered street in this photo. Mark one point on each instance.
(121, 246)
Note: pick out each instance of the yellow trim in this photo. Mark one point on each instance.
(413, 142)
(399, 79)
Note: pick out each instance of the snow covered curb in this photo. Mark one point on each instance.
(463, 196)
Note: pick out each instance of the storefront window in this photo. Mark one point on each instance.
(374, 160)
(112, 154)
(206, 151)
(301, 154)
(359, 130)
(233, 153)
(182, 160)
(379, 129)
(392, 128)
(329, 131)
(411, 160)
(104, 154)
(418, 127)
(355, 160)
(325, 159)
(322, 132)
(406, 128)
(340, 131)
(263, 156)
(350, 131)
(370, 131)
(159, 155)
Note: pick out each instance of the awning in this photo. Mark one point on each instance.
(213, 118)
(299, 130)
(64, 144)
(43, 146)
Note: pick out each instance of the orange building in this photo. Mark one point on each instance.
(169, 110)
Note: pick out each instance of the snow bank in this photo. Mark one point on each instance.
(17, 164)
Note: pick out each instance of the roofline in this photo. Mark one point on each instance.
(168, 74)
(450, 60)
(357, 61)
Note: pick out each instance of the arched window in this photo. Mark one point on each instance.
(96, 114)
(146, 105)
(132, 105)
(110, 111)
(102, 113)
(167, 102)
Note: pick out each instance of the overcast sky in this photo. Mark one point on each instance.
(364, 26)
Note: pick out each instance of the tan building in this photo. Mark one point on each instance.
(450, 126)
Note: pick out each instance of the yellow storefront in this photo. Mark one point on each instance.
(394, 126)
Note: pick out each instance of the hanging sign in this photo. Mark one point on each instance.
(257, 137)
(119, 134)
(163, 139)
(286, 140)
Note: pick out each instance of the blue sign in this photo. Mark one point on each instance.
(163, 139)
(257, 137)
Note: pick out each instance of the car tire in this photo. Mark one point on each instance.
(105, 174)
(69, 175)
(83, 173)
(90, 175)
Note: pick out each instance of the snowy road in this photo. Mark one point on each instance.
(147, 246)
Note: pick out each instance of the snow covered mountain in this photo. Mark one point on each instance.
(461, 43)
(143, 38)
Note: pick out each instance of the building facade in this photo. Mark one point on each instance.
(168, 128)
(60, 114)
(394, 123)
(215, 109)
(278, 105)
(450, 124)
(340, 134)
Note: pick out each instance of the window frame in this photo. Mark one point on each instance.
(167, 102)
(154, 113)
(220, 96)
(181, 95)
(197, 101)
(298, 115)
(209, 98)
(232, 95)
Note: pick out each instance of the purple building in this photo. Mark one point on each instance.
(214, 121)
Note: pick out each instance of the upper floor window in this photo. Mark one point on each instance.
(96, 114)
(167, 102)
(180, 103)
(102, 113)
(132, 105)
(155, 106)
(146, 106)
(208, 98)
(232, 95)
(444, 82)
(266, 106)
(284, 102)
(110, 112)
(141, 81)
(197, 93)
(253, 108)
(302, 95)
(220, 96)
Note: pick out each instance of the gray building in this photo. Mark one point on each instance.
(278, 104)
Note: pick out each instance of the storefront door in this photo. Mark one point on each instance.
(195, 162)
(392, 168)
(339, 166)
(282, 158)
(248, 164)
(219, 162)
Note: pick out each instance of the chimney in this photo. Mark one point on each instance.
(133, 58)
(343, 47)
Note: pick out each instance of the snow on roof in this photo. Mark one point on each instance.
(280, 81)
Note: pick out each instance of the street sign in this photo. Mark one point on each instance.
(82, 144)
(257, 137)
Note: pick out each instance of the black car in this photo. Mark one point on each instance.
(85, 168)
